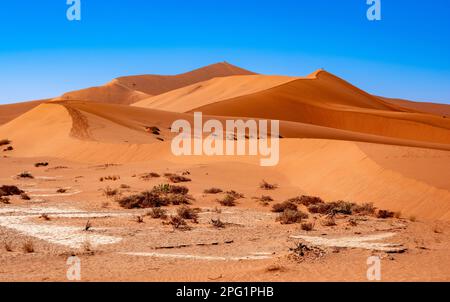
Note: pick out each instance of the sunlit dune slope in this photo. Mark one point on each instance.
(433, 108)
(214, 90)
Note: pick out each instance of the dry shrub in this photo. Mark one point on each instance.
(157, 213)
(176, 178)
(43, 164)
(10, 190)
(159, 196)
(178, 223)
(62, 191)
(290, 216)
(28, 247)
(364, 209)
(124, 186)
(8, 246)
(267, 186)
(213, 191)
(88, 226)
(149, 176)
(227, 201)
(25, 175)
(281, 207)
(9, 148)
(45, 217)
(412, 218)
(307, 226)
(139, 219)
(352, 222)
(109, 178)
(306, 200)
(235, 194)
(4, 200)
(109, 192)
(25, 196)
(5, 142)
(217, 223)
(384, 214)
(188, 213)
(266, 199)
(329, 221)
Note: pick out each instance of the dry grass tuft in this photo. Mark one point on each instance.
(281, 207)
(157, 213)
(109, 192)
(290, 216)
(213, 191)
(25, 175)
(384, 214)
(159, 196)
(45, 217)
(267, 186)
(4, 142)
(88, 226)
(149, 176)
(329, 221)
(139, 219)
(188, 213)
(176, 178)
(109, 178)
(8, 246)
(307, 226)
(235, 194)
(217, 223)
(28, 247)
(228, 201)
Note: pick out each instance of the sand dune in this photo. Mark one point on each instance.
(113, 92)
(212, 91)
(433, 108)
(326, 100)
(158, 84)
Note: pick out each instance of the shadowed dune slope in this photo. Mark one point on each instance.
(131, 89)
(326, 100)
(158, 84)
(11, 111)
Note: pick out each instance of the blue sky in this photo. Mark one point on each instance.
(406, 54)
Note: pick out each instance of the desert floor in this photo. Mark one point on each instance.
(251, 247)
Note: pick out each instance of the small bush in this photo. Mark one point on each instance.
(8, 246)
(213, 191)
(45, 217)
(148, 176)
(187, 213)
(10, 190)
(4, 200)
(267, 186)
(143, 200)
(9, 148)
(37, 165)
(281, 207)
(307, 226)
(28, 247)
(235, 194)
(109, 178)
(25, 196)
(228, 201)
(384, 214)
(157, 213)
(306, 200)
(290, 216)
(124, 186)
(265, 199)
(365, 209)
(62, 191)
(217, 223)
(139, 219)
(170, 189)
(5, 142)
(178, 223)
(25, 175)
(109, 192)
(176, 178)
(88, 226)
(329, 221)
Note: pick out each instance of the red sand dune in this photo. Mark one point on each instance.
(11, 111)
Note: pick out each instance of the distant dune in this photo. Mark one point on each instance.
(11, 111)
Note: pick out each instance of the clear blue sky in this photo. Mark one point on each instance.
(405, 55)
